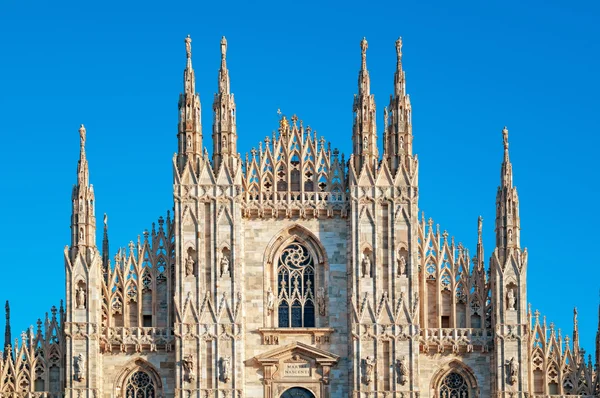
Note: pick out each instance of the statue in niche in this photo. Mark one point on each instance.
(369, 365)
(401, 144)
(366, 266)
(81, 229)
(402, 370)
(79, 366)
(510, 235)
(365, 144)
(270, 301)
(321, 301)
(513, 370)
(188, 366)
(225, 368)
(224, 265)
(401, 265)
(80, 298)
(189, 265)
(512, 300)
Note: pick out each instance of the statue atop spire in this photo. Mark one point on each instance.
(363, 46)
(223, 48)
(505, 137)
(399, 49)
(82, 135)
(188, 47)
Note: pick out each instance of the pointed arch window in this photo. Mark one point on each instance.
(140, 385)
(454, 386)
(295, 287)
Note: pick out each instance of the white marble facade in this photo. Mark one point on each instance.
(295, 272)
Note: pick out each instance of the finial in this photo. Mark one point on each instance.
(82, 135)
(188, 47)
(105, 220)
(223, 47)
(479, 225)
(399, 49)
(505, 137)
(363, 46)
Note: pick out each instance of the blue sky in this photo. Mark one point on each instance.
(472, 67)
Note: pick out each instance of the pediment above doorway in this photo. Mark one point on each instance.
(296, 365)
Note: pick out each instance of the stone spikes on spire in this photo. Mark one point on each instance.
(7, 334)
(82, 166)
(105, 249)
(506, 166)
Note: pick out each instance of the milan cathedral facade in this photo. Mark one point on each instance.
(294, 272)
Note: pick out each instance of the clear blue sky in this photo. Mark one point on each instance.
(472, 67)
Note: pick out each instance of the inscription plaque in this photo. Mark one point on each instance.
(296, 369)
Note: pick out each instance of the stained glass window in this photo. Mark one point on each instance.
(454, 386)
(140, 385)
(295, 291)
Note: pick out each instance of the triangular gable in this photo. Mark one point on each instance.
(319, 355)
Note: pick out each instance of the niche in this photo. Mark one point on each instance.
(402, 262)
(511, 296)
(366, 266)
(190, 263)
(81, 295)
(225, 263)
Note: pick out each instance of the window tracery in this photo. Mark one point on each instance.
(454, 386)
(296, 287)
(140, 385)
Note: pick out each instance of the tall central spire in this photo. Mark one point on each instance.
(189, 127)
(83, 219)
(508, 223)
(364, 135)
(7, 334)
(398, 138)
(224, 127)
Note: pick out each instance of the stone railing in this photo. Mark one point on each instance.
(303, 204)
(37, 394)
(455, 339)
(386, 394)
(136, 338)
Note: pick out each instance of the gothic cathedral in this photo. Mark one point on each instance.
(292, 272)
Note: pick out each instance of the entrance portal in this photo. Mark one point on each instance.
(297, 392)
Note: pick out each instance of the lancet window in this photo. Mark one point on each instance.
(454, 386)
(296, 287)
(140, 385)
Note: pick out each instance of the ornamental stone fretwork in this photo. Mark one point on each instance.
(295, 271)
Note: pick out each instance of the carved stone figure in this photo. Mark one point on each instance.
(188, 366)
(366, 266)
(80, 298)
(512, 301)
(188, 47)
(402, 370)
(401, 265)
(189, 265)
(224, 265)
(225, 368)
(79, 367)
(513, 370)
(270, 301)
(368, 365)
(321, 301)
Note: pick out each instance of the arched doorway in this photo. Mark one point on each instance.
(454, 386)
(297, 392)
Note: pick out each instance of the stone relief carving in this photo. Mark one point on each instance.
(512, 300)
(79, 367)
(366, 266)
(270, 301)
(402, 370)
(321, 301)
(368, 367)
(188, 366)
(80, 298)
(513, 370)
(224, 268)
(225, 368)
(189, 265)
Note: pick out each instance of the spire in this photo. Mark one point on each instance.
(105, 250)
(507, 204)
(224, 127)
(83, 220)
(7, 334)
(598, 346)
(575, 333)
(398, 134)
(364, 136)
(480, 254)
(189, 127)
